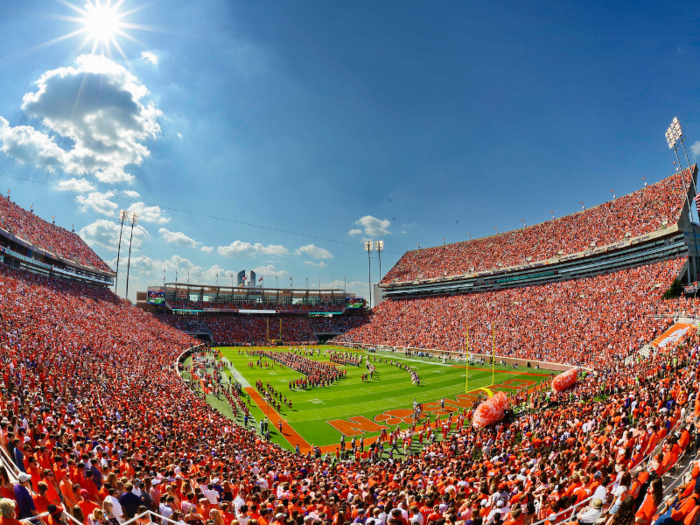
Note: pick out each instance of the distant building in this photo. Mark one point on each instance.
(377, 296)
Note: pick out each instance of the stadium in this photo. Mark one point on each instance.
(195, 324)
(537, 375)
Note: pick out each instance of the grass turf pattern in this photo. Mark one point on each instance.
(391, 388)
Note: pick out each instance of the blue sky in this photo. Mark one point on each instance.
(430, 120)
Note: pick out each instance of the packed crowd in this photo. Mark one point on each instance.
(250, 329)
(587, 322)
(246, 329)
(340, 324)
(97, 418)
(638, 213)
(49, 237)
(185, 323)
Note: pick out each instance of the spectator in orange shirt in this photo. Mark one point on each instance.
(652, 500)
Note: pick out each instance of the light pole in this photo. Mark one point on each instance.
(134, 219)
(368, 249)
(122, 219)
(163, 291)
(678, 135)
(674, 134)
(379, 246)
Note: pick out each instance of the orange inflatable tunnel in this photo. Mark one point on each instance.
(565, 380)
(491, 410)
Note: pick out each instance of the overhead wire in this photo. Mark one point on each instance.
(207, 216)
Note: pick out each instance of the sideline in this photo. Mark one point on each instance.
(514, 371)
(236, 374)
(291, 435)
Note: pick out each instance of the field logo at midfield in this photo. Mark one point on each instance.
(355, 426)
(359, 425)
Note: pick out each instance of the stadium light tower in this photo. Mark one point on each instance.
(122, 219)
(677, 133)
(674, 134)
(133, 219)
(379, 246)
(368, 249)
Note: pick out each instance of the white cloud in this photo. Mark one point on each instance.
(271, 249)
(209, 276)
(314, 251)
(150, 58)
(246, 249)
(98, 202)
(179, 135)
(207, 249)
(97, 107)
(106, 234)
(355, 231)
(147, 266)
(373, 226)
(178, 238)
(695, 148)
(320, 265)
(269, 271)
(148, 213)
(131, 194)
(359, 288)
(76, 185)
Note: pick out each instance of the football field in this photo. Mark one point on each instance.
(319, 416)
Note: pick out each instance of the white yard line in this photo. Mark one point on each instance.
(236, 374)
(391, 356)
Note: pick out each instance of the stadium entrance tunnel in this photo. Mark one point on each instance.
(324, 337)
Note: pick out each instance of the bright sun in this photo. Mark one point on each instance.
(101, 21)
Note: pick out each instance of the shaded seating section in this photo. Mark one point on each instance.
(586, 322)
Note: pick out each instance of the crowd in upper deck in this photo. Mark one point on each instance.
(49, 237)
(644, 211)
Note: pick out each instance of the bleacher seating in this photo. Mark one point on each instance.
(46, 236)
(337, 324)
(247, 329)
(557, 322)
(89, 376)
(638, 213)
(94, 410)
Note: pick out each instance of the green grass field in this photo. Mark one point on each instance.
(390, 389)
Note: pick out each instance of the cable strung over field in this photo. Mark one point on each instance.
(316, 371)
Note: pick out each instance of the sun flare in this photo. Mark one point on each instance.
(101, 21)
